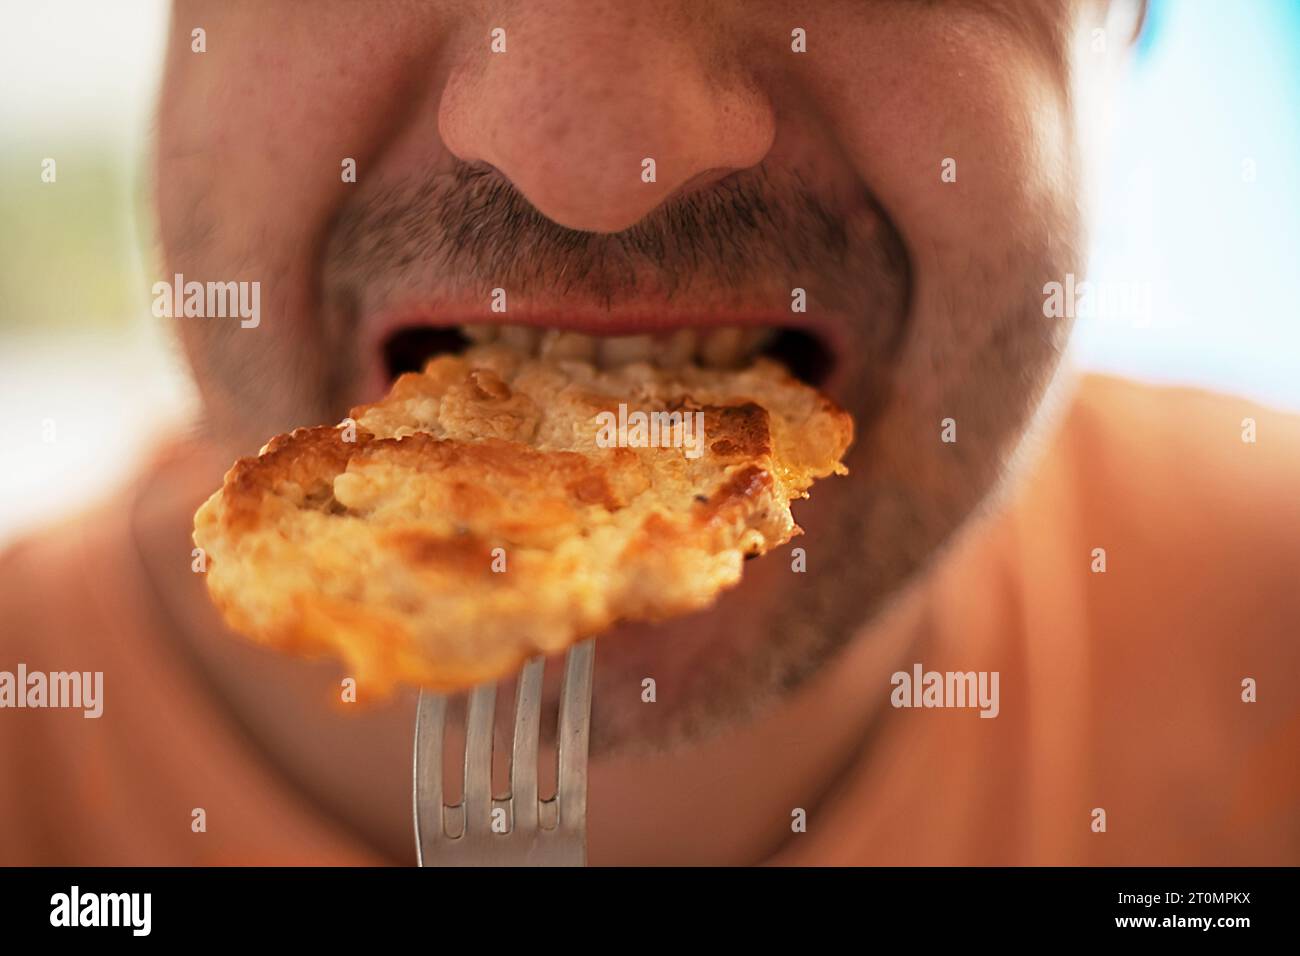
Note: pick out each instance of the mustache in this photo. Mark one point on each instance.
(470, 228)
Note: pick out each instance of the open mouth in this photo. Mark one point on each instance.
(409, 348)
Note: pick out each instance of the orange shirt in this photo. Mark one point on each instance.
(1119, 690)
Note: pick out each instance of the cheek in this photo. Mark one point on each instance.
(252, 136)
(964, 133)
(979, 350)
(254, 133)
(957, 93)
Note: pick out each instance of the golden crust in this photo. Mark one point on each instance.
(471, 519)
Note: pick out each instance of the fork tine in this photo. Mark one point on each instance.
(478, 759)
(540, 834)
(574, 734)
(523, 761)
(430, 714)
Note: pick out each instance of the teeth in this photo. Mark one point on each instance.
(567, 345)
(522, 338)
(755, 339)
(625, 349)
(721, 348)
(677, 349)
(717, 348)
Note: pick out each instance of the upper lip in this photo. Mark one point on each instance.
(429, 250)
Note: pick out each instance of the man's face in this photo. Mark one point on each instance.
(915, 172)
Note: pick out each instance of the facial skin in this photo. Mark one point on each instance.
(776, 170)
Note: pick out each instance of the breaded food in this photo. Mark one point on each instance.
(481, 514)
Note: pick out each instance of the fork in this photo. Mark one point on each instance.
(538, 832)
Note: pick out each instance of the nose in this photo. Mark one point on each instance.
(599, 114)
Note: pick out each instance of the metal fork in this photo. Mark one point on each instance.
(537, 832)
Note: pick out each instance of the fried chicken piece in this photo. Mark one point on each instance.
(486, 511)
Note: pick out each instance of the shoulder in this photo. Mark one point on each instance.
(1196, 489)
(1194, 497)
(44, 590)
(52, 628)
(1204, 447)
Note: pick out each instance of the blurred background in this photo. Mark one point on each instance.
(1195, 262)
